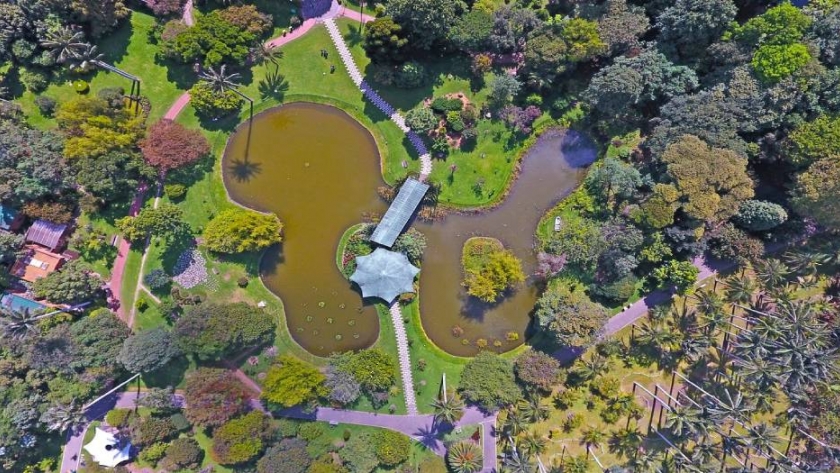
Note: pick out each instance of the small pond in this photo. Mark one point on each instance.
(318, 170)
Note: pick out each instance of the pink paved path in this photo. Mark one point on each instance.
(354, 15)
(122, 253)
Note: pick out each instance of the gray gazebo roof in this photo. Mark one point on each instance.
(384, 274)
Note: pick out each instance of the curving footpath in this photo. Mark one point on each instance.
(422, 428)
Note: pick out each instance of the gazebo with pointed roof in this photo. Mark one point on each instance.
(384, 274)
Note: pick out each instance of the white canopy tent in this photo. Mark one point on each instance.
(107, 450)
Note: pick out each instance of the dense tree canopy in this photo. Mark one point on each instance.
(489, 381)
(570, 316)
(212, 331)
(148, 351)
(425, 22)
(75, 283)
(214, 396)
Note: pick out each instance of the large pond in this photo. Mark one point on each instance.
(318, 170)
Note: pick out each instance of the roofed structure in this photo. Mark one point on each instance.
(36, 264)
(384, 274)
(10, 219)
(107, 450)
(399, 213)
(46, 234)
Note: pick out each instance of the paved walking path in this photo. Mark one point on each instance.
(123, 248)
(357, 16)
(187, 16)
(72, 455)
(422, 428)
(639, 308)
(378, 101)
(405, 358)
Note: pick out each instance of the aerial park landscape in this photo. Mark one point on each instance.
(316, 236)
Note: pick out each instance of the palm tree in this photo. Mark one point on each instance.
(465, 457)
(264, 53)
(704, 453)
(532, 410)
(62, 417)
(578, 464)
(761, 438)
(220, 80)
(87, 58)
(64, 44)
(732, 406)
(656, 336)
(448, 410)
(591, 368)
(687, 422)
(805, 263)
(18, 324)
(533, 444)
(519, 462)
(645, 462)
(771, 273)
(740, 289)
(758, 371)
(592, 437)
(708, 302)
(625, 441)
(513, 424)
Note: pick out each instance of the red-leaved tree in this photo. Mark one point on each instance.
(169, 146)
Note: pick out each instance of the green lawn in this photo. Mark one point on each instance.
(129, 49)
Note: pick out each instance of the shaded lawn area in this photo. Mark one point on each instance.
(131, 274)
(129, 49)
(206, 444)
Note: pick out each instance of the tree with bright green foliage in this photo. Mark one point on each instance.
(812, 141)
(238, 230)
(815, 193)
(211, 102)
(558, 47)
(682, 274)
(569, 315)
(166, 221)
(489, 381)
(384, 41)
(392, 448)
(374, 369)
(241, 440)
(94, 127)
(774, 62)
(489, 269)
(291, 382)
(213, 40)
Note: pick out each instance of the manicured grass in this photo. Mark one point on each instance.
(131, 274)
(129, 49)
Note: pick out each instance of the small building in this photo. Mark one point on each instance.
(10, 219)
(107, 450)
(51, 236)
(37, 263)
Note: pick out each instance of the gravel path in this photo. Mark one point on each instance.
(405, 358)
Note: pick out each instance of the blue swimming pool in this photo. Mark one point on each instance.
(18, 303)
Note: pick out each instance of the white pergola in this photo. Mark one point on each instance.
(107, 450)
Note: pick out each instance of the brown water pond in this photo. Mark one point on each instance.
(318, 170)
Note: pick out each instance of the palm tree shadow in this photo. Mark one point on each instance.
(429, 436)
(243, 170)
(355, 36)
